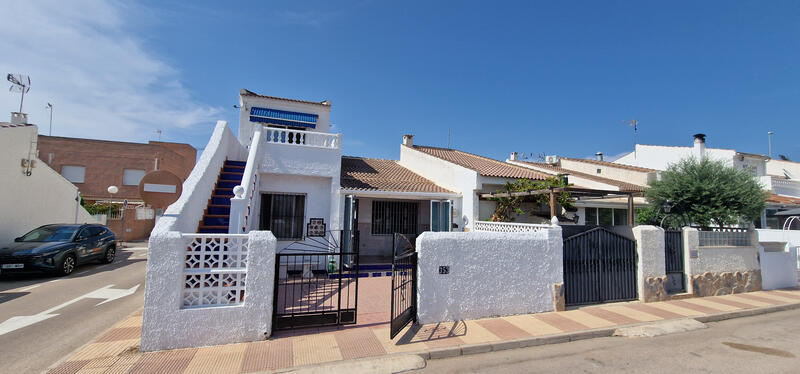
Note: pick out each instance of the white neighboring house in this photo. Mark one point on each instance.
(33, 193)
(785, 192)
(597, 175)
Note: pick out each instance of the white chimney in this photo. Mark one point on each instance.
(408, 140)
(18, 118)
(598, 156)
(699, 150)
(514, 156)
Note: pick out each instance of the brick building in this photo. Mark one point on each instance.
(94, 165)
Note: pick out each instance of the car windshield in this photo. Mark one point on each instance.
(50, 234)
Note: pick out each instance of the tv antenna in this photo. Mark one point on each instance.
(19, 83)
(635, 124)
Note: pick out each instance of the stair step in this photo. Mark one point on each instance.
(227, 184)
(236, 177)
(213, 229)
(235, 163)
(221, 201)
(223, 192)
(233, 169)
(215, 221)
(219, 209)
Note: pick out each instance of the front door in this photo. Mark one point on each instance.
(441, 215)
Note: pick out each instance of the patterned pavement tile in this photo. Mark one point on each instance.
(532, 325)
(611, 316)
(69, 367)
(477, 334)
(745, 300)
(697, 307)
(727, 301)
(503, 329)
(267, 355)
(560, 322)
(711, 304)
(401, 342)
(118, 369)
(676, 309)
(313, 349)
(778, 297)
(106, 349)
(762, 299)
(164, 362)
(219, 359)
(783, 293)
(358, 343)
(666, 314)
(632, 313)
(122, 333)
(132, 321)
(587, 319)
(91, 371)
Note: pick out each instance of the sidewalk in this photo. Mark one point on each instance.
(116, 351)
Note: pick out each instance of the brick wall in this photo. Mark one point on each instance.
(105, 161)
(140, 228)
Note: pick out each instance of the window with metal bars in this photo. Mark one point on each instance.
(389, 217)
(284, 215)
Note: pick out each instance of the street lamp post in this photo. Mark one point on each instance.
(667, 207)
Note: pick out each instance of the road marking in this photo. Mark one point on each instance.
(30, 288)
(82, 272)
(107, 293)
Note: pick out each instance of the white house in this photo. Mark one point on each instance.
(37, 194)
(778, 178)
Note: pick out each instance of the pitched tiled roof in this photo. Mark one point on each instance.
(370, 174)
(623, 186)
(484, 166)
(245, 92)
(780, 199)
(611, 164)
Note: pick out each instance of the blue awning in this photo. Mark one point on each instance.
(283, 117)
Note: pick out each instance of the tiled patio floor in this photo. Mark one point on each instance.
(115, 351)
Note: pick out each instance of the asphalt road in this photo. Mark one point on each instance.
(768, 343)
(44, 318)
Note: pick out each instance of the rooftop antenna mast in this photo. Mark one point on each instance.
(49, 108)
(19, 83)
(635, 124)
(159, 134)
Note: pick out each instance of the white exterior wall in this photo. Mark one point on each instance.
(651, 262)
(450, 176)
(631, 176)
(660, 157)
(42, 198)
(779, 269)
(184, 214)
(166, 325)
(780, 168)
(491, 274)
(319, 200)
(247, 102)
(716, 259)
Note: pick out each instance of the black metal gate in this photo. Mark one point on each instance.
(316, 283)
(673, 256)
(404, 284)
(599, 266)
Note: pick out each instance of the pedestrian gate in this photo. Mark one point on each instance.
(673, 256)
(404, 284)
(599, 266)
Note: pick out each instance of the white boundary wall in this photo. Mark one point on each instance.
(490, 274)
(779, 269)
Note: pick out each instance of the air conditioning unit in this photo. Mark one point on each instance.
(553, 159)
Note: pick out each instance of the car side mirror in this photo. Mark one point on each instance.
(19, 239)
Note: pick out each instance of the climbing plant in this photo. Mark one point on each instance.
(509, 207)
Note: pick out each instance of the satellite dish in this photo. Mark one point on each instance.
(19, 83)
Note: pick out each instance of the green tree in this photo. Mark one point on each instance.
(507, 207)
(706, 193)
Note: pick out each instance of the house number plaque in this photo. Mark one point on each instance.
(444, 269)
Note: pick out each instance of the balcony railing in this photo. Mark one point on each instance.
(303, 138)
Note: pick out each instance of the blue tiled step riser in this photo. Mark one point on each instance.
(213, 231)
(230, 177)
(235, 163)
(226, 184)
(221, 201)
(226, 210)
(215, 221)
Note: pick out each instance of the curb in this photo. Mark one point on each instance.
(477, 348)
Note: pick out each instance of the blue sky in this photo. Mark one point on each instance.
(532, 77)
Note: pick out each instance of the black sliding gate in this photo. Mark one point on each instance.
(599, 266)
(316, 283)
(673, 256)
(404, 284)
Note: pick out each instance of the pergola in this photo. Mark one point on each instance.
(575, 192)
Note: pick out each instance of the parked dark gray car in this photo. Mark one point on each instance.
(58, 249)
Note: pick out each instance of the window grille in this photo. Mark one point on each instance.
(283, 214)
(389, 217)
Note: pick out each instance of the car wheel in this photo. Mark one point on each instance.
(67, 265)
(110, 255)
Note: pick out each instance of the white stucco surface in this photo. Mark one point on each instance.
(184, 214)
(779, 269)
(167, 326)
(41, 198)
(717, 259)
(491, 274)
(247, 102)
(317, 191)
(650, 250)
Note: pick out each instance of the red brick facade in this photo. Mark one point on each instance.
(105, 161)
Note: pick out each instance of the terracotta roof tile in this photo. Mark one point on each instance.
(611, 164)
(484, 166)
(245, 92)
(370, 174)
(780, 199)
(623, 186)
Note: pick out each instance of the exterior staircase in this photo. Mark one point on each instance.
(218, 211)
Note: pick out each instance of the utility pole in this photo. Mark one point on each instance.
(50, 109)
(769, 139)
(635, 125)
